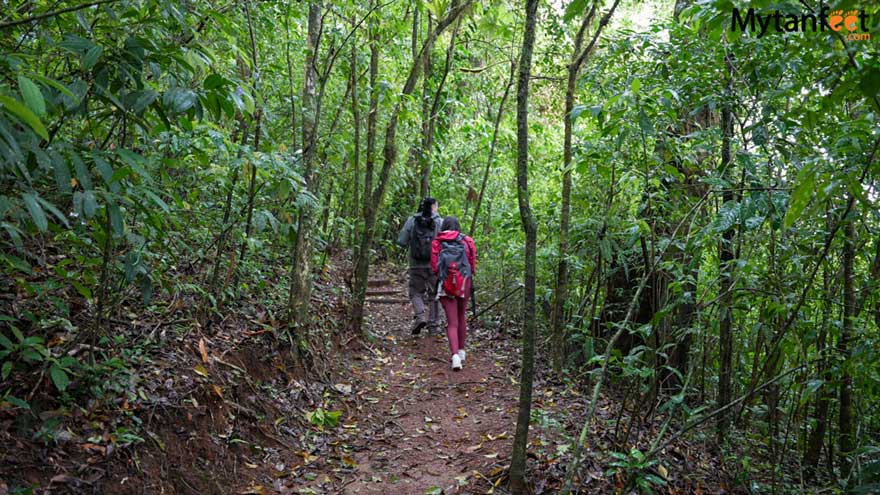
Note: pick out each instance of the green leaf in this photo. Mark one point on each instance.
(577, 111)
(135, 161)
(105, 170)
(870, 82)
(57, 85)
(25, 115)
(179, 100)
(801, 196)
(37, 214)
(156, 199)
(82, 289)
(215, 81)
(62, 173)
(59, 378)
(116, 219)
(91, 57)
(814, 385)
(434, 490)
(728, 216)
(636, 85)
(32, 95)
(53, 210)
(574, 9)
(7, 369)
(90, 204)
(15, 401)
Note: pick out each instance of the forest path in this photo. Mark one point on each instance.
(414, 426)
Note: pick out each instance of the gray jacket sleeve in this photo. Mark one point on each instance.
(405, 233)
(438, 222)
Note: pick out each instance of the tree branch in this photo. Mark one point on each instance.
(53, 13)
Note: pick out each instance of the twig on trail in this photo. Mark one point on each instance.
(454, 385)
(395, 423)
(230, 365)
(342, 488)
(497, 489)
(280, 441)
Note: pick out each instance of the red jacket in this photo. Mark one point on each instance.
(451, 235)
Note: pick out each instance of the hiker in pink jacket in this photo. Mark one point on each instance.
(454, 260)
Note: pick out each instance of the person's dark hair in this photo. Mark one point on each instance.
(450, 223)
(426, 207)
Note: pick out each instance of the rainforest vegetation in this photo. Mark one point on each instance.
(676, 216)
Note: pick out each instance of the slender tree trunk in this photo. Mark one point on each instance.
(361, 261)
(373, 112)
(846, 439)
(518, 484)
(227, 213)
(578, 58)
(813, 448)
(416, 150)
(300, 272)
(292, 94)
(428, 137)
(257, 130)
(498, 115)
(556, 316)
(356, 121)
(725, 268)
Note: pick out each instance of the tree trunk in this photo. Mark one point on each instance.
(846, 439)
(252, 184)
(300, 273)
(418, 150)
(813, 448)
(491, 158)
(725, 268)
(356, 122)
(227, 213)
(290, 77)
(557, 318)
(361, 259)
(518, 459)
(428, 137)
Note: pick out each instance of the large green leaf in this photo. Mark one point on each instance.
(25, 115)
(801, 196)
(32, 95)
(36, 211)
(91, 57)
(59, 378)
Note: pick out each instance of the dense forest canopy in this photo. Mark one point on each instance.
(701, 188)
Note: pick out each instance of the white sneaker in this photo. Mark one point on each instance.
(456, 362)
(461, 354)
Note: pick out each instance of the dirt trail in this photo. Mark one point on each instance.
(417, 426)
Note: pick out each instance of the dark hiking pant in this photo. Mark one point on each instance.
(422, 290)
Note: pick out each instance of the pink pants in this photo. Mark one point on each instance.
(456, 324)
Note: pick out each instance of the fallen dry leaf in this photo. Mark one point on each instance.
(203, 350)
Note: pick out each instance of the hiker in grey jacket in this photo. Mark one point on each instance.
(417, 235)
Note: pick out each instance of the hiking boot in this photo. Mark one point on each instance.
(418, 325)
(456, 362)
(434, 330)
(461, 354)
